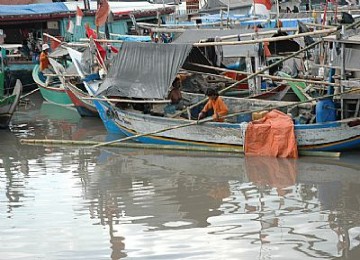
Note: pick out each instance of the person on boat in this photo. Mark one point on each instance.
(175, 97)
(175, 93)
(45, 66)
(215, 103)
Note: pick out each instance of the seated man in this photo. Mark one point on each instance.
(175, 97)
(216, 104)
(175, 93)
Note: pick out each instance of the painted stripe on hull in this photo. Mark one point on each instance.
(351, 143)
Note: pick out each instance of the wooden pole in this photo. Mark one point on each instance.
(272, 39)
(316, 82)
(230, 149)
(227, 37)
(168, 29)
(130, 100)
(64, 43)
(30, 93)
(343, 76)
(101, 40)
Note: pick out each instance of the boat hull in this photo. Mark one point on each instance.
(86, 108)
(8, 105)
(55, 94)
(332, 136)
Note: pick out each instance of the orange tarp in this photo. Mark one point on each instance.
(273, 135)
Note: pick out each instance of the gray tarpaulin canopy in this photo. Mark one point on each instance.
(144, 70)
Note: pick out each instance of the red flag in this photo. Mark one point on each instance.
(79, 16)
(90, 33)
(102, 13)
(267, 3)
(113, 49)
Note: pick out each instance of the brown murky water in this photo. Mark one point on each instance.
(69, 202)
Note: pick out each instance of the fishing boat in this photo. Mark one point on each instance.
(76, 89)
(8, 103)
(54, 93)
(79, 97)
(123, 81)
(9, 96)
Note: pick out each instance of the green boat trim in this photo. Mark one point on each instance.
(54, 94)
(297, 87)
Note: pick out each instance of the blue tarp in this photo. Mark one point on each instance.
(286, 23)
(33, 9)
(134, 38)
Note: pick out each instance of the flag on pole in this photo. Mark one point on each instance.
(79, 16)
(91, 34)
(102, 13)
(261, 8)
(70, 27)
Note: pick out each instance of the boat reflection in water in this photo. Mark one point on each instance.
(275, 206)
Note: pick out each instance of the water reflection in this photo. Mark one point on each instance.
(230, 194)
(79, 203)
(273, 206)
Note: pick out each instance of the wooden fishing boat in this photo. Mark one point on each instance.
(327, 136)
(9, 99)
(156, 128)
(54, 93)
(79, 97)
(8, 104)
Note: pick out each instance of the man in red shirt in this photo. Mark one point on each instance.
(215, 103)
(45, 66)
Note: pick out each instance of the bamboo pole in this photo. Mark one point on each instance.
(64, 43)
(130, 100)
(320, 25)
(257, 33)
(30, 93)
(211, 149)
(153, 26)
(101, 40)
(65, 75)
(316, 82)
(272, 39)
